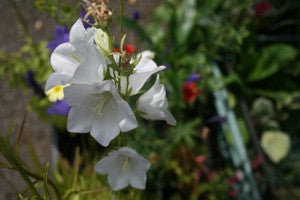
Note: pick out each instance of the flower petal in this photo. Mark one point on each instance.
(63, 59)
(117, 179)
(79, 38)
(105, 164)
(77, 94)
(154, 104)
(137, 173)
(91, 70)
(169, 118)
(80, 120)
(144, 70)
(56, 79)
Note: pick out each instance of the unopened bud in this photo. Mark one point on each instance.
(125, 63)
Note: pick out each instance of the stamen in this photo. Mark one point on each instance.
(126, 164)
(99, 107)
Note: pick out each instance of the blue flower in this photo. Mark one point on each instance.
(217, 119)
(90, 19)
(37, 88)
(193, 78)
(136, 15)
(61, 35)
(59, 108)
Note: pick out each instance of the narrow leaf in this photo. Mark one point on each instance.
(34, 157)
(16, 163)
(21, 131)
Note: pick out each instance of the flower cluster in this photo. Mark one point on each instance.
(98, 83)
(190, 90)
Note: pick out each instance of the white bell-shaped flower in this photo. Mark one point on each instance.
(147, 54)
(123, 167)
(99, 109)
(142, 72)
(153, 104)
(68, 56)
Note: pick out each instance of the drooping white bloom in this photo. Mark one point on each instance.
(142, 72)
(68, 56)
(99, 109)
(147, 54)
(154, 104)
(124, 167)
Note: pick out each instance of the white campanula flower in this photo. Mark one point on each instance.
(68, 56)
(153, 104)
(147, 54)
(99, 109)
(124, 167)
(142, 72)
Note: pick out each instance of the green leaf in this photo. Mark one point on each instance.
(35, 159)
(276, 145)
(45, 180)
(271, 59)
(14, 160)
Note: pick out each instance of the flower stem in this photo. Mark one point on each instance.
(35, 176)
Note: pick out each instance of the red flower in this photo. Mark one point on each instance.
(116, 50)
(190, 92)
(262, 8)
(232, 193)
(129, 48)
(210, 175)
(257, 162)
(197, 174)
(200, 159)
(237, 177)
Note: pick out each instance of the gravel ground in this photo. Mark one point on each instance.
(13, 102)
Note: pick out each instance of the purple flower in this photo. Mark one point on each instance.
(61, 35)
(136, 15)
(193, 78)
(217, 119)
(90, 19)
(37, 88)
(59, 108)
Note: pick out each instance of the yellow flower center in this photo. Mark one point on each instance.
(56, 93)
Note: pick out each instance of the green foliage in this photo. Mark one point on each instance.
(187, 36)
(270, 60)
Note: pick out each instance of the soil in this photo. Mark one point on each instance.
(13, 101)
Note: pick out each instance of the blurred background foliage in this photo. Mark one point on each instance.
(255, 45)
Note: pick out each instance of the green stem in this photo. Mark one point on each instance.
(35, 176)
(127, 87)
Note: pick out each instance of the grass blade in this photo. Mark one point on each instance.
(16, 163)
(35, 159)
(21, 131)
